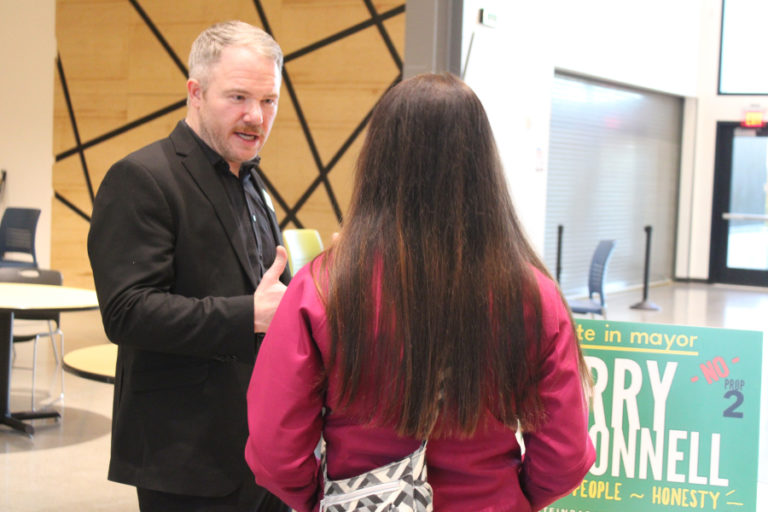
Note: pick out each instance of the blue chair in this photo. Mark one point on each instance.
(594, 304)
(33, 325)
(17, 235)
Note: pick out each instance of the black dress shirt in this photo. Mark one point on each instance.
(248, 207)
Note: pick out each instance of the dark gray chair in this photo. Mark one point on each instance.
(594, 304)
(17, 235)
(31, 326)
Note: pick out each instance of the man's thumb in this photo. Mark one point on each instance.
(278, 266)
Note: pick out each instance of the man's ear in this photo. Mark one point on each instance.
(194, 91)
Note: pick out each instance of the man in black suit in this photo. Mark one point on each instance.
(186, 257)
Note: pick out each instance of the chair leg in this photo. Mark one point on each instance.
(58, 354)
(34, 371)
(51, 334)
(59, 363)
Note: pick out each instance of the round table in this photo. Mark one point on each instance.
(22, 297)
(96, 362)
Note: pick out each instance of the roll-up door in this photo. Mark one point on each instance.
(613, 170)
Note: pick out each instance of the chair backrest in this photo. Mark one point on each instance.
(17, 231)
(598, 267)
(302, 245)
(32, 276)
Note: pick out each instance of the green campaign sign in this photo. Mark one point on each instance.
(675, 418)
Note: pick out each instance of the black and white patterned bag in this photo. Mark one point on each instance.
(401, 486)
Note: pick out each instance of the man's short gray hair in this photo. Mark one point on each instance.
(207, 48)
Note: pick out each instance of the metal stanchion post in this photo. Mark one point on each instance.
(558, 267)
(645, 303)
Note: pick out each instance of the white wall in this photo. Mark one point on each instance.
(675, 53)
(509, 67)
(27, 62)
(669, 47)
(652, 44)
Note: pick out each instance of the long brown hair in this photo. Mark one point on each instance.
(432, 303)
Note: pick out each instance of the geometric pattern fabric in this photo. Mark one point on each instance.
(401, 485)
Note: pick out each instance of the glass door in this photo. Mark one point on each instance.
(739, 248)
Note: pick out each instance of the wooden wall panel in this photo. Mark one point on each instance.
(395, 27)
(126, 89)
(289, 165)
(342, 176)
(331, 120)
(317, 20)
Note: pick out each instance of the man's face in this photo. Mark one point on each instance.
(234, 114)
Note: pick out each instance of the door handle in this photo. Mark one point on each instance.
(744, 216)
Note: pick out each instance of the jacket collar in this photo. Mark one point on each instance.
(197, 164)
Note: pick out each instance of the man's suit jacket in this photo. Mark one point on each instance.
(176, 294)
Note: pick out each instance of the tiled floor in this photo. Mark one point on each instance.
(63, 467)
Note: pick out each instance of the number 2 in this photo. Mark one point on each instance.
(731, 411)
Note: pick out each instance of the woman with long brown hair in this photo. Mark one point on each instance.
(429, 317)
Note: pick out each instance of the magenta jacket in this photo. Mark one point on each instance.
(484, 473)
